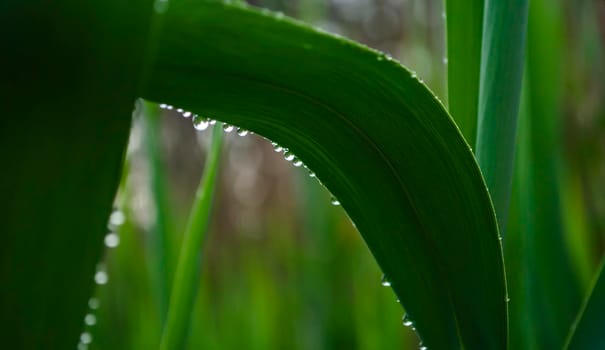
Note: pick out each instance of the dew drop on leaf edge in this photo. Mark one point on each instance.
(406, 321)
(200, 123)
(384, 281)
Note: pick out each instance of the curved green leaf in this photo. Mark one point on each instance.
(375, 136)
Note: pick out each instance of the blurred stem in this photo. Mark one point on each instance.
(555, 290)
(161, 245)
(186, 278)
(502, 60)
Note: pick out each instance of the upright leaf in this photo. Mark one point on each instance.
(185, 286)
(554, 287)
(464, 31)
(374, 135)
(502, 59)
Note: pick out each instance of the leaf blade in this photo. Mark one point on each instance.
(464, 32)
(341, 109)
(502, 60)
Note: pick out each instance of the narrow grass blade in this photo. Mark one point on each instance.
(186, 278)
(587, 331)
(374, 135)
(464, 31)
(161, 243)
(502, 60)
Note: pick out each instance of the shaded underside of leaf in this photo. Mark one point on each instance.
(374, 135)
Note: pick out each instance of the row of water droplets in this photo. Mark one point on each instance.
(201, 123)
(413, 74)
(111, 240)
(290, 157)
(406, 320)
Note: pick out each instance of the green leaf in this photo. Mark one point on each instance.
(186, 278)
(554, 288)
(502, 59)
(464, 32)
(587, 331)
(161, 245)
(375, 136)
(68, 85)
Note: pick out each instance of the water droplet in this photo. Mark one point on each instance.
(297, 162)
(242, 132)
(86, 338)
(112, 240)
(406, 321)
(384, 281)
(93, 303)
(422, 347)
(277, 148)
(507, 299)
(90, 319)
(289, 156)
(169, 107)
(212, 122)
(187, 114)
(312, 174)
(334, 201)
(163, 106)
(414, 75)
(200, 123)
(101, 277)
(445, 60)
(117, 218)
(443, 14)
(180, 110)
(228, 128)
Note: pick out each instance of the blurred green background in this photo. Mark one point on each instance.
(282, 268)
